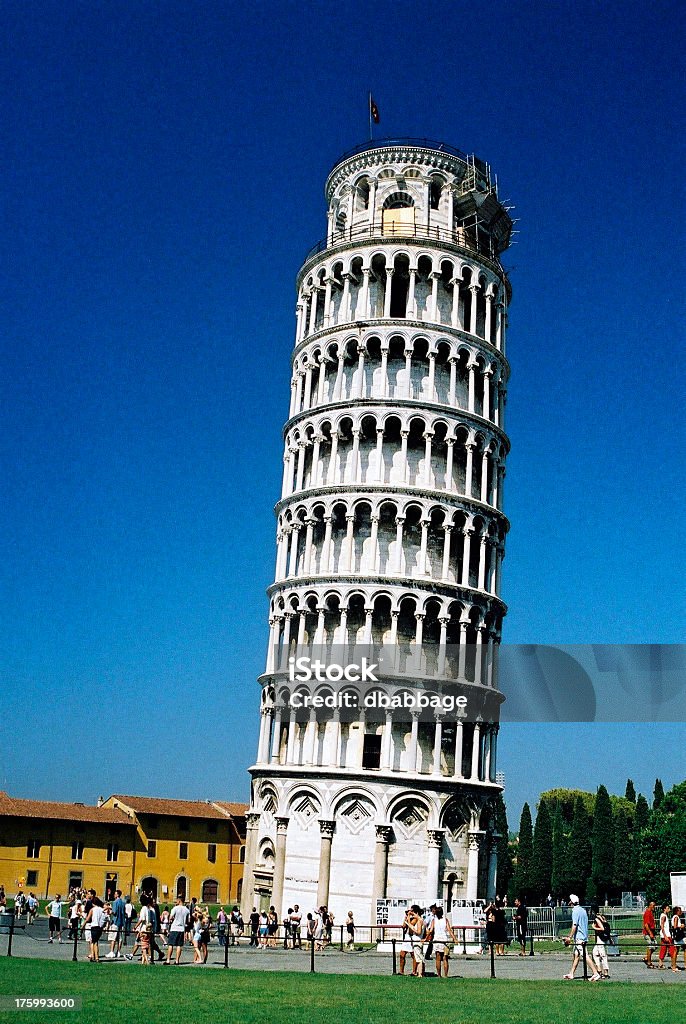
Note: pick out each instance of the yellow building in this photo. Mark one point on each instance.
(136, 844)
(186, 847)
(49, 848)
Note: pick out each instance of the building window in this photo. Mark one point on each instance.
(371, 752)
(211, 852)
(210, 890)
(33, 848)
(152, 847)
(77, 850)
(75, 879)
(31, 878)
(183, 851)
(184, 824)
(241, 855)
(113, 851)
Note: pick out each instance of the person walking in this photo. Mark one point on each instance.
(578, 937)
(601, 928)
(678, 934)
(117, 924)
(666, 940)
(649, 930)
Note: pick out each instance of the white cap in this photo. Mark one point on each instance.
(573, 898)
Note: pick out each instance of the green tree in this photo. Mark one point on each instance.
(579, 849)
(641, 822)
(663, 844)
(522, 878)
(505, 866)
(602, 842)
(623, 845)
(630, 792)
(542, 860)
(658, 794)
(560, 882)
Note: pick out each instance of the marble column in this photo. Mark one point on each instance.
(476, 838)
(433, 862)
(279, 865)
(252, 821)
(383, 836)
(326, 830)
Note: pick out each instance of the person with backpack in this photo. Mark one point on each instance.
(601, 928)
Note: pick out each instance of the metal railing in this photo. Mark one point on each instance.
(405, 232)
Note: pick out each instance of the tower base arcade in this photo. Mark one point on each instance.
(347, 842)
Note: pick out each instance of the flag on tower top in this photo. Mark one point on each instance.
(373, 110)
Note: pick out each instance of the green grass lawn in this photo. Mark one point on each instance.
(175, 997)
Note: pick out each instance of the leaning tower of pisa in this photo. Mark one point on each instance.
(390, 533)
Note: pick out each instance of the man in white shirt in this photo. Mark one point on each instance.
(179, 922)
(54, 910)
(96, 918)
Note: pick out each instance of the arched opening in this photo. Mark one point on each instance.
(149, 886)
(400, 283)
(182, 888)
(398, 215)
(210, 891)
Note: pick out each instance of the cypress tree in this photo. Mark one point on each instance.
(630, 792)
(658, 794)
(641, 822)
(579, 849)
(525, 845)
(560, 882)
(622, 874)
(542, 861)
(602, 840)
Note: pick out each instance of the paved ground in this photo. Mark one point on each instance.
(33, 942)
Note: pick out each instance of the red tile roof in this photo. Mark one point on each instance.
(180, 808)
(13, 807)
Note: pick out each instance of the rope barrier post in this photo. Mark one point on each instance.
(492, 960)
(9, 941)
(341, 938)
(583, 953)
(464, 941)
(395, 966)
(75, 955)
(312, 955)
(531, 944)
(226, 952)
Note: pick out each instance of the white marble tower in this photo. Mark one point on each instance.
(390, 531)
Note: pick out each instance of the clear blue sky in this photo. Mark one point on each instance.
(163, 178)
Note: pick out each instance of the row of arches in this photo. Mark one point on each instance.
(431, 287)
(397, 450)
(435, 811)
(389, 538)
(414, 635)
(447, 749)
(396, 367)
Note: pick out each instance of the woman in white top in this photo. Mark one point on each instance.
(441, 931)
